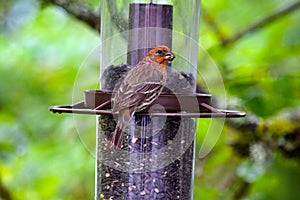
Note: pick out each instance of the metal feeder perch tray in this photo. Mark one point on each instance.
(97, 102)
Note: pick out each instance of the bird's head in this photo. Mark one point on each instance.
(161, 55)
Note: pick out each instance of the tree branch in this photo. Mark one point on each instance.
(4, 193)
(80, 12)
(262, 23)
(92, 18)
(210, 19)
(281, 133)
(241, 191)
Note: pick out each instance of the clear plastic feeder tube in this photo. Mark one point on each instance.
(156, 159)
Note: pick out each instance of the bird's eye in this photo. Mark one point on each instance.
(159, 52)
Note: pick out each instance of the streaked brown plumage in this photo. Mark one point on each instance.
(141, 86)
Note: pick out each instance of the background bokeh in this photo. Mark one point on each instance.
(43, 44)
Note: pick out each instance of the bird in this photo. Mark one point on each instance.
(140, 87)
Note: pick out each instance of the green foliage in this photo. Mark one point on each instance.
(41, 52)
(279, 181)
(38, 65)
(263, 70)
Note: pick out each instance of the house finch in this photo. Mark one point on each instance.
(141, 86)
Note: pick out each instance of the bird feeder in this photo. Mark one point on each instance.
(156, 158)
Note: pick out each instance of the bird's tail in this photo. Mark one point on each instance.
(118, 134)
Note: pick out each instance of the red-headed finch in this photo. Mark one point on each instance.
(141, 86)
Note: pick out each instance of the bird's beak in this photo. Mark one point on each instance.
(169, 56)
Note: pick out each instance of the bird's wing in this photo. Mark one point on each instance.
(136, 95)
(148, 87)
(139, 86)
